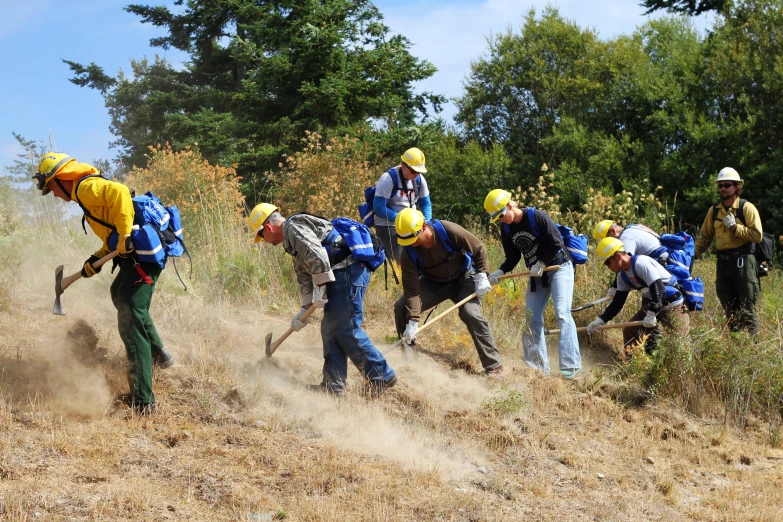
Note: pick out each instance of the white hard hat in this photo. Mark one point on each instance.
(728, 174)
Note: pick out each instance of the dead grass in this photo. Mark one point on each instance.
(238, 438)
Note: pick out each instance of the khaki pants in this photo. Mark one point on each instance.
(674, 319)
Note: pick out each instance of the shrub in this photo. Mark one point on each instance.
(327, 178)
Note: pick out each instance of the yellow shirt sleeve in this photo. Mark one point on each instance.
(108, 201)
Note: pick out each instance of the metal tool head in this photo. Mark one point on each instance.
(268, 342)
(58, 290)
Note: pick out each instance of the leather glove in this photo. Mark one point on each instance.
(297, 323)
(537, 269)
(319, 296)
(409, 335)
(125, 246)
(482, 284)
(729, 221)
(610, 293)
(493, 277)
(650, 321)
(88, 270)
(592, 328)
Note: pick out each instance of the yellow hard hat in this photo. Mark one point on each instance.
(408, 225)
(608, 247)
(495, 203)
(729, 174)
(601, 229)
(258, 217)
(414, 158)
(49, 164)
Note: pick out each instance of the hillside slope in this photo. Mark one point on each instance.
(240, 438)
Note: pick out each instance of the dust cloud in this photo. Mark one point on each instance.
(74, 375)
(355, 424)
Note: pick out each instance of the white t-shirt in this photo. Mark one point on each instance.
(639, 241)
(399, 199)
(648, 271)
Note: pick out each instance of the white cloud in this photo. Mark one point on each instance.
(451, 36)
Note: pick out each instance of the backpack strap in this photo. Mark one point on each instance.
(643, 228)
(633, 270)
(448, 244)
(84, 209)
(741, 211)
(531, 218)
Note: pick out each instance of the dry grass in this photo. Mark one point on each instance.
(237, 438)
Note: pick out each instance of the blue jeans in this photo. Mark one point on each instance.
(342, 333)
(561, 289)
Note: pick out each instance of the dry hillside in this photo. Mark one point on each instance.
(240, 438)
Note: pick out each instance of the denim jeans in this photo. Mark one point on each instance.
(561, 289)
(342, 333)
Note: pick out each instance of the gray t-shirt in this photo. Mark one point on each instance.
(638, 239)
(648, 270)
(399, 199)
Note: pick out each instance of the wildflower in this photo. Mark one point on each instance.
(544, 168)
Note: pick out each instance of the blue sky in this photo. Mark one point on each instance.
(35, 34)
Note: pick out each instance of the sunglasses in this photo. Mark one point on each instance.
(725, 185)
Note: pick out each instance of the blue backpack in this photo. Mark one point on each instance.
(366, 213)
(157, 229)
(359, 243)
(693, 292)
(575, 245)
(451, 248)
(681, 250)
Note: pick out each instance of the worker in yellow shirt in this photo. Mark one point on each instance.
(736, 226)
(108, 208)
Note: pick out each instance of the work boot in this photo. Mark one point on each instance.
(145, 409)
(323, 388)
(162, 359)
(495, 373)
(377, 387)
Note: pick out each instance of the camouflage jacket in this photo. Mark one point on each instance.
(303, 235)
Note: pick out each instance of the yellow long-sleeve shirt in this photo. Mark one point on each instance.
(108, 201)
(750, 232)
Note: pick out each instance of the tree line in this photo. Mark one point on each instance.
(664, 106)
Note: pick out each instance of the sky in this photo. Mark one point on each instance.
(37, 100)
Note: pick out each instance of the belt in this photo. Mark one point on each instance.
(560, 258)
(731, 255)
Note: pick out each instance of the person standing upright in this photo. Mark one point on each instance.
(400, 187)
(736, 226)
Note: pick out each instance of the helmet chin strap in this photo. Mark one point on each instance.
(60, 184)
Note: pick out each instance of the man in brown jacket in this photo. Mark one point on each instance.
(440, 261)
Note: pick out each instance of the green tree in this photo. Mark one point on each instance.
(688, 7)
(609, 114)
(742, 113)
(260, 74)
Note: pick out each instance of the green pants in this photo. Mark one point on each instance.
(132, 296)
(737, 285)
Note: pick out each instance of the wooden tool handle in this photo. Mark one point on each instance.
(467, 299)
(68, 281)
(279, 341)
(602, 327)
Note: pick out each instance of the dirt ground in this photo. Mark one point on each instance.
(238, 437)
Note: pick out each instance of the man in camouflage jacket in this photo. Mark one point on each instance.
(338, 286)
